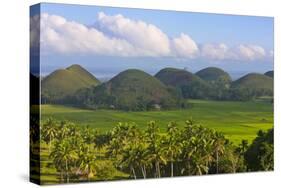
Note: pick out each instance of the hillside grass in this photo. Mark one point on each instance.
(237, 120)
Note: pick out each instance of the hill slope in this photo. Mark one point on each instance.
(130, 90)
(254, 81)
(211, 74)
(65, 82)
(269, 73)
(191, 85)
(252, 85)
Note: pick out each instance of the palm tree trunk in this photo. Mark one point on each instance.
(50, 146)
(143, 171)
(199, 170)
(217, 161)
(61, 177)
(172, 169)
(188, 166)
(158, 170)
(88, 178)
(67, 176)
(172, 165)
(134, 173)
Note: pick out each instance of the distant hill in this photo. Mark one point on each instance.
(191, 85)
(253, 85)
(130, 90)
(270, 74)
(211, 74)
(218, 80)
(65, 82)
(254, 81)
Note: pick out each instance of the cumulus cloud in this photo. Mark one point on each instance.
(250, 52)
(34, 30)
(184, 46)
(215, 51)
(241, 52)
(116, 35)
(142, 35)
(60, 35)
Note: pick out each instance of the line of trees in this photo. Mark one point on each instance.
(77, 152)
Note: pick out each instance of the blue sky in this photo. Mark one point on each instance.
(203, 27)
(233, 31)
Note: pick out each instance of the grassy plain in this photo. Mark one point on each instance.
(237, 120)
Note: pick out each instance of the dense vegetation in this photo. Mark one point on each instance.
(259, 155)
(79, 153)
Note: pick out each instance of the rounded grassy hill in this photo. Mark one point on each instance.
(132, 90)
(252, 86)
(211, 74)
(190, 85)
(65, 82)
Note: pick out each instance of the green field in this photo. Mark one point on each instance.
(237, 120)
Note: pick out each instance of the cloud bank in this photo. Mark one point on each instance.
(116, 35)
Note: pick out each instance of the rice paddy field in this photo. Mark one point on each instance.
(236, 120)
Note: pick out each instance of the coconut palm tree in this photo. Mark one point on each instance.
(219, 142)
(87, 161)
(142, 159)
(49, 132)
(130, 157)
(156, 151)
(63, 130)
(172, 146)
(63, 156)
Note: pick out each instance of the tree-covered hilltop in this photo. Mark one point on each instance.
(270, 74)
(63, 83)
(219, 82)
(190, 85)
(251, 86)
(79, 153)
(131, 90)
(212, 74)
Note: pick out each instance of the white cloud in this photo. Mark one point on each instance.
(120, 36)
(238, 53)
(60, 35)
(215, 51)
(184, 46)
(250, 52)
(34, 30)
(146, 37)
